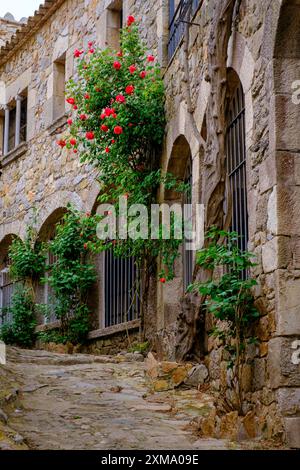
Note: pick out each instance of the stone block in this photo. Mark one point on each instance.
(287, 303)
(259, 373)
(276, 254)
(286, 114)
(286, 71)
(267, 174)
(292, 429)
(289, 401)
(282, 371)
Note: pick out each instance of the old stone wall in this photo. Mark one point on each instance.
(39, 174)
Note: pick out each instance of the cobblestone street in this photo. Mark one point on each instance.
(96, 402)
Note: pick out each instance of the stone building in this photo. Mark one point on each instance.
(263, 66)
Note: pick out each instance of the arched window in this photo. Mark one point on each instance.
(121, 290)
(236, 158)
(187, 203)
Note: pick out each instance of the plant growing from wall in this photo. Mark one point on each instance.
(72, 275)
(118, 125)
(227, 295)
(27, 264)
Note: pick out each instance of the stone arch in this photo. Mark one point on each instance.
(46, 230)
(10, 228)
(55, 204)
(180, 155)
(4, 246)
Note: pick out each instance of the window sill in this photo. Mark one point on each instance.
(47, 326)
(95, 334)
(111, 330)
(14, 154)
(57, 125)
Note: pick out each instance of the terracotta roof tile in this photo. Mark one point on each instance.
(26, 30)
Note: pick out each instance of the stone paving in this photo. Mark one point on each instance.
(97, 402)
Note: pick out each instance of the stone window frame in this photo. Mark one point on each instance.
(59, 87)
(111, 21)
(20, 111)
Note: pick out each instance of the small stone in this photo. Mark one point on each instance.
(161, 386)
(249, 423)
(229, 426)
(197, 376)
(18, 439)
(179, 375)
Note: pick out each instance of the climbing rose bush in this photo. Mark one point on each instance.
(117, 124)
(119, 103)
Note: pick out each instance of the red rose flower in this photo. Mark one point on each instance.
(162, 280)
(77, 53)
(117, 65)
(61, 143)
(114, 115)
(132, 68)
(130, 20)
(82, 117)
(107, 150)
(91, 51)
(108, 112)
(86, 96)
(113, 141)
(129, 89)
(90, 135)
(90, 44)
(143, 74)
(118, 130)
(70, 122)
(104, 128)
(120, 99)
(75, 107)
(70, 100)
(120, 54)
(73, 141)
(151, 58)
(75, 150)
(103, 116)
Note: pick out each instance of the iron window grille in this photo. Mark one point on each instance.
(122, 291)
(177, 20)
(236, 165)
(188, 260)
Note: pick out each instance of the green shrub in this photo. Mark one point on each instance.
(21, 331)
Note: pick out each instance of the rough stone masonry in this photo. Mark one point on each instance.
(264, 55)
